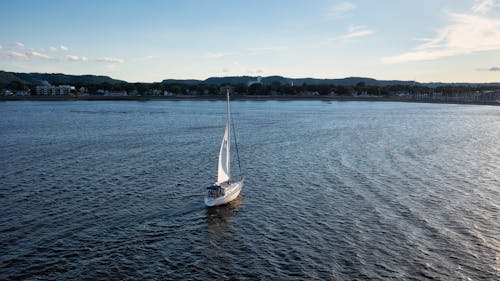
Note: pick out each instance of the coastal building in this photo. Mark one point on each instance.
(61, 90)
(43, 90)
(82, 90)
(7, 93)
(102, 92)
(153, 92)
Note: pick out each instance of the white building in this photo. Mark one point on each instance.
(60, 90)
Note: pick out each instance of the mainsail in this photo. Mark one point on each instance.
(224, 173)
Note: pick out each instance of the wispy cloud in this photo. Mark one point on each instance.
(484, 6)
(16, 55)
(341, 9)
(38, 55)
(76, 58)
(18, 51)
(467, 33)
(111, 60)
(356, 31)
(60, 48)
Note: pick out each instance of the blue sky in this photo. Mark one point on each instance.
(146, 41)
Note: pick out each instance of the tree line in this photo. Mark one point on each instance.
(275, 88)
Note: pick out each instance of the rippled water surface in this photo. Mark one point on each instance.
(334, 190)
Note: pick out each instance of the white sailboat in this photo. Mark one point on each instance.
(225, 189)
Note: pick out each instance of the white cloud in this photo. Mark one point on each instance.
(38, 55)
(218, 55)
(52, 49)
(111, 60)
(466, 33)
(63, 48)
(214, 55)
(76, 58)
(16, 55)
(341, 9)
(483, 6)
(19, 45)
(355, 31)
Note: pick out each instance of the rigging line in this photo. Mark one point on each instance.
(236, 145)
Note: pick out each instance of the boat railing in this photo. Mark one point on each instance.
(212, 193)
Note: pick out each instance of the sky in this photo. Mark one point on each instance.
(152, 40)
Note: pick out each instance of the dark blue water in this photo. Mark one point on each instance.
(334, 190)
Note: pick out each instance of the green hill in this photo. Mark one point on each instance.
(349, 81)
(54, 78)
(8, 77)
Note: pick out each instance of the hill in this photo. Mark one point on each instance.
(350, 81)
(54, 78)
(8, 77)
(60, 78)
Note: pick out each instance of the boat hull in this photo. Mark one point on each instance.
(230, 193)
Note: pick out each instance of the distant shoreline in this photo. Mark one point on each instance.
(238, 97)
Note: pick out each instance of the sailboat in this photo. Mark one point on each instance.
(225, 189)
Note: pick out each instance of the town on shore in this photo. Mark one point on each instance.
(247, 88)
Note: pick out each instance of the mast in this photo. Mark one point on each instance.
(224, 169)
(228, 128)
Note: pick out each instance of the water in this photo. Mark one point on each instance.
(334, 190)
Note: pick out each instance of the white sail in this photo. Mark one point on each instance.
(224, 173)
